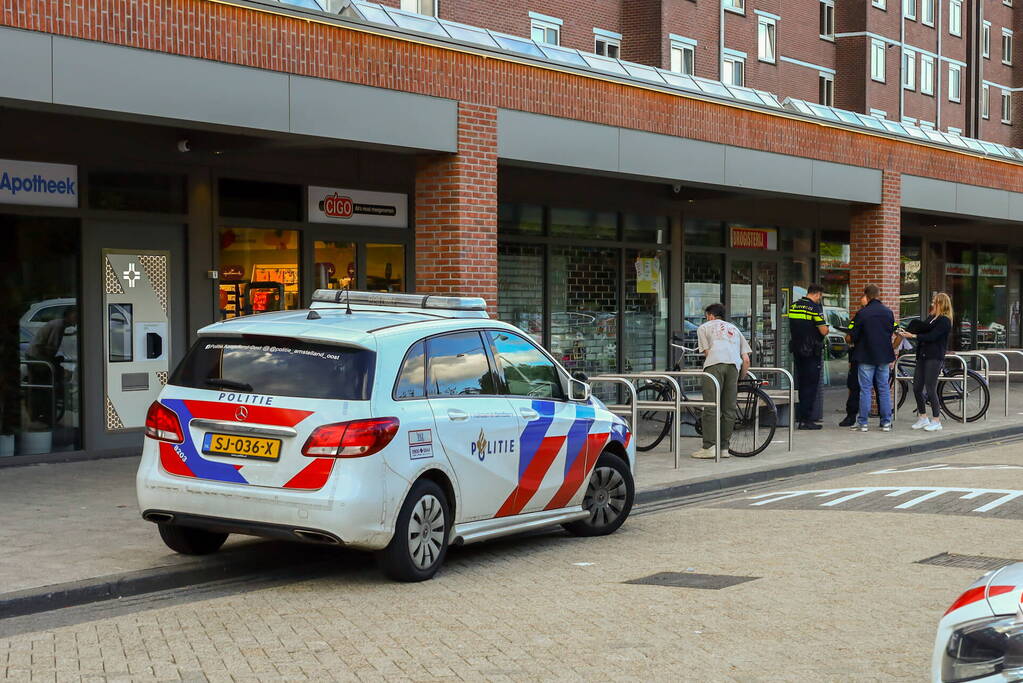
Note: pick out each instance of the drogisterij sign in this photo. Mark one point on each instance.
(37, 184)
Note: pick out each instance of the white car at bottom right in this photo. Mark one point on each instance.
(980, 637)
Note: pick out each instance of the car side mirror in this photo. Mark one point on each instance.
(581, 376)
(578, 391)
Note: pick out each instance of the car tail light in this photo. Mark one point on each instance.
(162, 424)
(355, 439)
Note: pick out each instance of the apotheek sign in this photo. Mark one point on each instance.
(38, 184)
(358, 207)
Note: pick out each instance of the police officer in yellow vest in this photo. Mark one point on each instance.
(807, 330)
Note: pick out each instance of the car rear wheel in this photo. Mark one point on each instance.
(191, 541)
(608, 498)
(420, 540)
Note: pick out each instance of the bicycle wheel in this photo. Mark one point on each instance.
(652, 425)
(756, 419)
(950, 395)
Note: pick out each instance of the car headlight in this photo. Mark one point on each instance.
(983, 648)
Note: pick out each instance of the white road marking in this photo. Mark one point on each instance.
(927, 493)
(932, 468)
(920, 499)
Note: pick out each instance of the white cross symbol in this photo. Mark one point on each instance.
(132, 275)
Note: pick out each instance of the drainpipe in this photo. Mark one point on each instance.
(937, 71)
(902, 59)
(721, 41)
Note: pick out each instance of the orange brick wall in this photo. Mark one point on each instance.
(874, 235)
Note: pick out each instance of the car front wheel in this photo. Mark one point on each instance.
(420, 540)
(608, 498)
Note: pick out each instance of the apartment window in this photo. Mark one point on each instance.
(985, 101)
(683, 57)
(954, 82)
(985, 40)
(735, 5)
(1006, 46)
(766, 39)
(607, 46)
(927, 12)
(955, 17)
(908, 69)
(545, 30)
(826, 83)
(1006, 106)
(877, 57)
(926, 75)
(880, 4)
(909, 9)
(427, 7)
(733, 70)
(827, 19)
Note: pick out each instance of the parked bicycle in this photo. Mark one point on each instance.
(756, 416)
(950, 391)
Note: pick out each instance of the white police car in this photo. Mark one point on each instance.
(980, 637)
(389, 422)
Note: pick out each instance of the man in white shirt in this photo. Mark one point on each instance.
(726, 357)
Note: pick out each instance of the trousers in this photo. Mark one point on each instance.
(925, 385)
(808, 379)
(874, 377)
(727, 376)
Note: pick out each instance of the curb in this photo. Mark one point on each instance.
(276, 557)
(692, 488)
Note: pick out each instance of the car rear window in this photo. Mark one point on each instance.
(278, 367)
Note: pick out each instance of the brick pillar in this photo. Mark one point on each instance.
(456, 212)
(874, 232)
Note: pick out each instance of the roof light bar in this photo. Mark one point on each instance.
(445, 303)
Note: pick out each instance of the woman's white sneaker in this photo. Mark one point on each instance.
(933, 427)
(922, 422)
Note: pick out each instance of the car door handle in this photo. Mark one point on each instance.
(457, 415)
(528, 414)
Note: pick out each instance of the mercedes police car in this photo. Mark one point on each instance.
(395, 423)
(980, 637)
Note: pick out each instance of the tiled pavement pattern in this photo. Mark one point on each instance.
(839, 599)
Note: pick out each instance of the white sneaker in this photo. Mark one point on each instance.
(886, 427)
(922, 422)
(933, 427)
(704, 454)
(859, 428)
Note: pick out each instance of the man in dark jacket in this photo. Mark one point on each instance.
(872, 335)
(807, 331)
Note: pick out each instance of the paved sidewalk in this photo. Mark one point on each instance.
(79, 521)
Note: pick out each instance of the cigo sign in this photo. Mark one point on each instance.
(358, 207)
(37, 184)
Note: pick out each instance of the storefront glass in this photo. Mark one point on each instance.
(704, 233)
(834, 269)
(520, 219)
(740, 298)
(39, 341)
(584, 224)
(909, 273)
(704, 285)
(520, 288)
(334, 265)
(650, 229)
(385, 267)
(796, 276)
(959, 271)
(992, 300)
(258, 271)
(645, 337)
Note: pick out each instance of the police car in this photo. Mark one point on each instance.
(395, 423)
(980, 638)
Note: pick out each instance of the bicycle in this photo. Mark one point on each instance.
(756, 416)
(950, 392)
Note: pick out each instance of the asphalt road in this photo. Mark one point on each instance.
(814, 578)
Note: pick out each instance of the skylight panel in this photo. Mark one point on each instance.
(713, 88)
(743, 94)
(520, 45)
(565, 55)
(822, 112)
(370, 12)
(469, 34)
(417, 22)
(679, 80)
(605, 64)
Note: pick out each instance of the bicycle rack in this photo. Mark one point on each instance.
(986, 371)
(52, 386)
(791, 396)
(962, 398)
(1008, 373)
(633, 413)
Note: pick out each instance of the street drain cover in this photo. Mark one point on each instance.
(690, 580)
(967, 561)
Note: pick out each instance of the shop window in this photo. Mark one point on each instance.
(652, 229)
(992, 298)
(519, 219)
(520, 278)
(584, 308)
(959, 271)
(704, 285)
(334, 265)
(910, 272)
(645, 336)
(148, 192)
(258, 271)
(265, 201)
(834, 256)
(584, 224)
(704, 233)
(40, 409)
(796, 239)
(385, 267)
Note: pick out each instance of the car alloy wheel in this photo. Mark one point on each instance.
(426, 531)
(605, 496)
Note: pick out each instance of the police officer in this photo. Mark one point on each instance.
(807, 331)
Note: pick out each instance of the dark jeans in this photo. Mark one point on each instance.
(852, 383)
(925, 385)
(808, 379)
